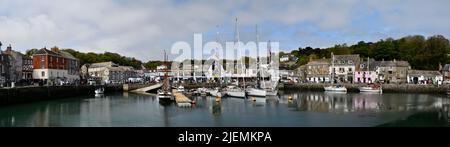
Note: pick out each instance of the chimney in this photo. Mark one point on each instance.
(55, 49)
(9, 49)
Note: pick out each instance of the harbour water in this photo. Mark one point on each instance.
(290, 109)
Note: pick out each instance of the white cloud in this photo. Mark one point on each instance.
(142, 28)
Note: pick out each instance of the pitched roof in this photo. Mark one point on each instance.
(45, 51)
(426, 73)
(446, 67)
(67, 55)
(319, 62)
(346, 59)
(394, 63)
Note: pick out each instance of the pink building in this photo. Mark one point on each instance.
(365, 76)
(367, 73)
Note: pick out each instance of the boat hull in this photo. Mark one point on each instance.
(256, 92)
(336, 89)
(238, 94)
(369, 90)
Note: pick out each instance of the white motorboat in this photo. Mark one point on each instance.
(100, 91)
(337, 88)
(180, 88)
(216, 92)
(371, 89)
(256, 92)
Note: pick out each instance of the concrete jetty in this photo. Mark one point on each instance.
(144, 89)
(181, 99)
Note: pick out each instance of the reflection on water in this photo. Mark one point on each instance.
(289, 109)
(343, 103)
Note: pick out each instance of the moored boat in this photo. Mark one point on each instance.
(337, 88)
(237, 92)
(371, 88)
(100, 91)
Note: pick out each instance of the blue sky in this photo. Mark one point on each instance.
(143, 29)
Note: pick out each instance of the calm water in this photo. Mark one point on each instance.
(305, 109)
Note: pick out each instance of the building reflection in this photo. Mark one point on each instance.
(343, 103)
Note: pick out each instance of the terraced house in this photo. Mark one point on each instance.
(4, 68)
(318, 71)
(344, 67)
(21, 67)
(393, 71)
(55, 67)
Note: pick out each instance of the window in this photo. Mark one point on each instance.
(350, 61)
(57, 60)
(43, 74)
(350, 69)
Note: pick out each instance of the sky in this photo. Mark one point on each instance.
(144, 28)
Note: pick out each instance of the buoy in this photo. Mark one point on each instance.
(253, 98)
(217, 99)
(290, 97)
(193, 102)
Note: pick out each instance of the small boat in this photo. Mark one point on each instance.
(180, 88)
(371, 88)
(337, 88)
(100, 91)
(216, 92)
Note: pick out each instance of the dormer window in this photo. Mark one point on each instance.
(350, 61)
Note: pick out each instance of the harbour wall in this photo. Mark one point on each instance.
(11, 96)
(387, 88)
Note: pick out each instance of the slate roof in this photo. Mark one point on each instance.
(425, 73)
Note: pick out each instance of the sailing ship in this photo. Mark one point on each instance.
(165, 93)
(334, 88)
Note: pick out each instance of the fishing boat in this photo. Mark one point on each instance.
(334, 88)
(372, 88)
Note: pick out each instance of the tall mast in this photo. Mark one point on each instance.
(332, 68)
(238, 47)
(258, 59)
